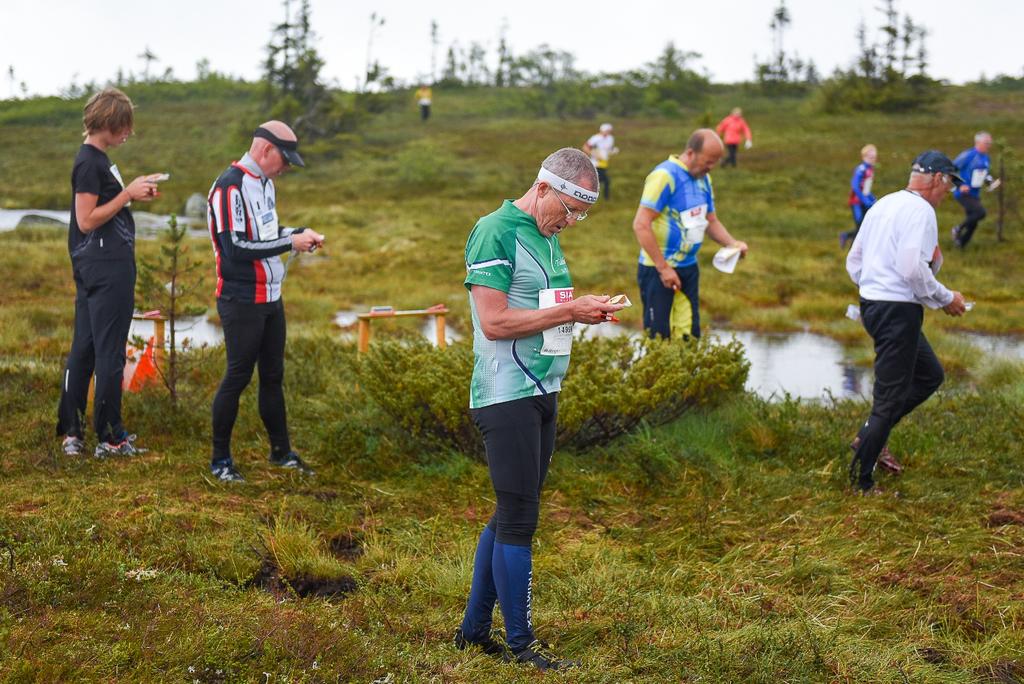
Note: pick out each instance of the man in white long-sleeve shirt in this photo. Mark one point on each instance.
(893, 261)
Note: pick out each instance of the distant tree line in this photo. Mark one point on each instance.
(888, 73)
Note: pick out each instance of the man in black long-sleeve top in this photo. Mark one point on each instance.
(247, 242)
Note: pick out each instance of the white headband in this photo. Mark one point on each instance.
(562, 185)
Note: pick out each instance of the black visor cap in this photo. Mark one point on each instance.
(289, 149)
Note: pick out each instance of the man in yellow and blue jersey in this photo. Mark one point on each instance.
(675, 212)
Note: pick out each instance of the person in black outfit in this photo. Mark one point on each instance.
(248, 241)
(101, 242)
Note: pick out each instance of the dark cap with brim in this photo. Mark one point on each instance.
(289, 149)
(934, 161)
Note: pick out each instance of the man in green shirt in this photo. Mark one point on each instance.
(524, 310)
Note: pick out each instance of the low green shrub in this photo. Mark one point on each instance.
(612, 386)
(424, 390)
(423, 163)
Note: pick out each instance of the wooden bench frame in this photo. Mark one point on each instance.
(439, 323)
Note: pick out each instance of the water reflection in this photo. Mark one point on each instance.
(189, 332)
(147, 225)
(803, 364)
(806, 365)
(1004, 346)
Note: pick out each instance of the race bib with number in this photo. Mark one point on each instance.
(978, 177)
(557, 340)
(867, 186)
(268, 225)
(695, 222)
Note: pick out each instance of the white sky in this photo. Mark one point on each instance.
(51, 42)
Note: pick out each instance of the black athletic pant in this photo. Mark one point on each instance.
(424, 112)
(605, 181)
(906, 373)
(973, 214)
(104, 304)
(254, 336)
(519, 438)
(730, 160)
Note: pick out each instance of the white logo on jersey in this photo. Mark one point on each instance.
(238, 209)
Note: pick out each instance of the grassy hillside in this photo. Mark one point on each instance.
(723, 547)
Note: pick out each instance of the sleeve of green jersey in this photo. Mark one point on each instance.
(490, 257)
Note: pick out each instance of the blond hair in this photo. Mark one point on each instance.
(108, 110)
(868, 148)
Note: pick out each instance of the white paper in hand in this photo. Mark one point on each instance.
(725, 259)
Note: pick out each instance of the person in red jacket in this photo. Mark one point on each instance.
(734, 130)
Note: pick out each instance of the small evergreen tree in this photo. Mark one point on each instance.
(671, 80)
(880, 78)
(293, 91)
(435, 41)
(173, 284)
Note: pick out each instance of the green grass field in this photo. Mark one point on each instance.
(723, 547)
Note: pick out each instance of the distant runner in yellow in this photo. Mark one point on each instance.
(424, 97)
(600, 147)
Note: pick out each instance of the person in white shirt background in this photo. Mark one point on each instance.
(893, 261)
(600, 147)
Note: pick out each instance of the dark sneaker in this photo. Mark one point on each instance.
(540, 656)
(292, 460)
(73, 446)
(124, 447)
(227, 473)
(488, 645)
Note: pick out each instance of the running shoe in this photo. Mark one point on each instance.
(73, 446)
(956, 236)
(291, 460)
(227, 473)
(888, 462)
(540, 656)
(886, 459)
(123, 447)
(488, 644)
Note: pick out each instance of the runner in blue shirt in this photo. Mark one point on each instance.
(973, 165)
(676, 210)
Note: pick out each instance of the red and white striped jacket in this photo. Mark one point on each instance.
(247, 238)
